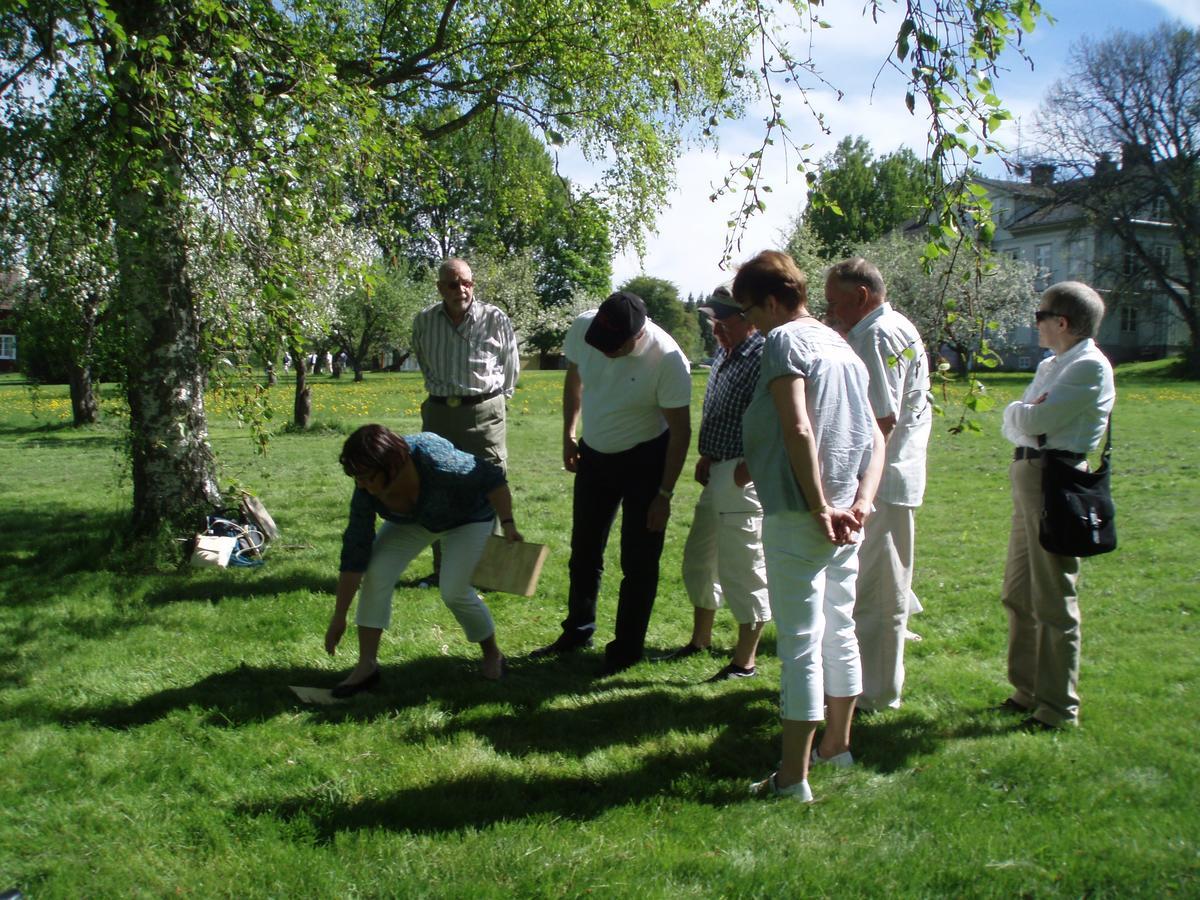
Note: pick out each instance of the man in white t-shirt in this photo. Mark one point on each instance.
(890, 346)
(633, 386)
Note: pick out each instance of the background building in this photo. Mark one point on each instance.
(1038, 221)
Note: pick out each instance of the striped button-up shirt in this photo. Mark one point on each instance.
(730, 387)
(479, 356)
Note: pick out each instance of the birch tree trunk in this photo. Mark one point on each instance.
(173, 470)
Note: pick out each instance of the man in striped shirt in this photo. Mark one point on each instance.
(467, 351)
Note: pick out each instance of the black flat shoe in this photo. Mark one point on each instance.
(563, 645)
(342, 691)
(1033, 725)
(1011, 706)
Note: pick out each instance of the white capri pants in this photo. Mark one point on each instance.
(723, 557)
(812, 598)
(396, 545)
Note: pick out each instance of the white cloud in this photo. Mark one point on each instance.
(1186, 10)
(691, 230)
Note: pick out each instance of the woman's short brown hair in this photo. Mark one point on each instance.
(372, 449)
(771, 273)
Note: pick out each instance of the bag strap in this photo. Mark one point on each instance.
(1107, 451)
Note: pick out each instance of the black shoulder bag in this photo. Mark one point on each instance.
(1077, 507)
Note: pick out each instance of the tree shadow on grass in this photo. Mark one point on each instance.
(716, 773)
(235, 584)
(482, 800)
(252, 694)
(887, 742)
(49, 543)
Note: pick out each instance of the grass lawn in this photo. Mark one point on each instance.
(149, 745)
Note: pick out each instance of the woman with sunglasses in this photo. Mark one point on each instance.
(1063, 413)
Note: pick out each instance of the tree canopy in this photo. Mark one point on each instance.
(189, 107)
(1136, 96)
(858, 197)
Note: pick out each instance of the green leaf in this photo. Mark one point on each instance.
(907, 27)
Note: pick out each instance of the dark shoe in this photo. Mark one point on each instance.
(1011, 706)
(733, 671)
(342, 691)
(1034, 725)
(564, 644)
(688, 649)
(432, 580)
(614, 667)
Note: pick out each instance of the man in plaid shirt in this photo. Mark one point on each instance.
(723, 557)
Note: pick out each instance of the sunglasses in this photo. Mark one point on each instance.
(1043, 314)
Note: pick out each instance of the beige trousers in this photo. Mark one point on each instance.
(1039, 594)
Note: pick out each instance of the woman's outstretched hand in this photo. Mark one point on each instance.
(333, 634)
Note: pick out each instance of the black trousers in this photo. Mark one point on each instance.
(605, 481)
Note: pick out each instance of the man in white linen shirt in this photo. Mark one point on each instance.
(1065, 413)
(890, 346)
(633, 386)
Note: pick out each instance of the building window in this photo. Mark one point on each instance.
(1044, 263)
(1162, 255)
(1024, 363)
(1077, 260)
(8, 346)
(1129, 262)
(1158, 209)
(1128, 320)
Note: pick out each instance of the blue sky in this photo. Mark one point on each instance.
(691, 230)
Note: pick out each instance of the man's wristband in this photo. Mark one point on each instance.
(507, 522)
(663, 492)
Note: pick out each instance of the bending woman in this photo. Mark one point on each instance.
(815, 455)
(423, 489)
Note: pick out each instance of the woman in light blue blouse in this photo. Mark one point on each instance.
(423, 489)
(815, 454)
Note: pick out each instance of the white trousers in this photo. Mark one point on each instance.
(812, 598)
(884, 603)
(723, 557)
(396, 545)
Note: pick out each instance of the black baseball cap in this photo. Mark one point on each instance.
(618, 319)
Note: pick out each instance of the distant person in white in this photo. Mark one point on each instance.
(891, 348)
(1064, 413)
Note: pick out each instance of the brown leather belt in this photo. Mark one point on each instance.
(472, 400)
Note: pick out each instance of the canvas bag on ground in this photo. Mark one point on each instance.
(1078, 515)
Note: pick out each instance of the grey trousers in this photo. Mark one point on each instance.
(1040, 596)
(478, 430)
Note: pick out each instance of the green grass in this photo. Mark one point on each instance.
(150, 745)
